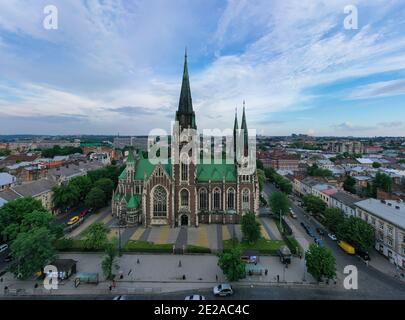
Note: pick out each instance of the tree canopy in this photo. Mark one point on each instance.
(232, 265)
(279, 203)
(333, 219)
(316, 171)
(320, 262)
(95, 236)
(250, 227)
(314, 204)
(357, 232)
(31, 252)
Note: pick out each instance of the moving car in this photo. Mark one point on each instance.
(332, 236)
(195, 297)
(223, 290)
(3, 247)
(73, 220)
(346, 247)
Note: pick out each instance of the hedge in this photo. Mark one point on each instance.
(263, 246)
(197, 249)
(146, 246)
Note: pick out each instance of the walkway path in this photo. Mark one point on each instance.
(181, 241)
(271, 228)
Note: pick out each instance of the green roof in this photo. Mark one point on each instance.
(144, 167)
(216, 172)
(134, 202)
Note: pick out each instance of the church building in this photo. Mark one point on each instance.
(180, 193)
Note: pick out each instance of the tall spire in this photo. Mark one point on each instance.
(245, 132)
(185, 114)
(235, 132)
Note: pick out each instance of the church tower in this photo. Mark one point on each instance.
(184, 168)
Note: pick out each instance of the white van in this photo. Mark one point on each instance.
(3, 247)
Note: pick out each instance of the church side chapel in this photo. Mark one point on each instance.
(188, 192)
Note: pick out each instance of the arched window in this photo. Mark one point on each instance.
(159, 202)
(231, 199)
(245, 199)
(203, 199)
(216, 199)
(184, 198)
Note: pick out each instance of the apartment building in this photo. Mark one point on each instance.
(344, 201)
(388, 219)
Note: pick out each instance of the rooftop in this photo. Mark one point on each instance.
(6, 179)
(346, 198)
(389, 210)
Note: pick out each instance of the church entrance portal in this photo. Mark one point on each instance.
(184, 220)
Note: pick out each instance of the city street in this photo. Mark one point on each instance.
(371, 281)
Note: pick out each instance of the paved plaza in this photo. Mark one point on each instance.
(163, 273)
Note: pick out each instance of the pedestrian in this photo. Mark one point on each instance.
(121, 276)
(184, 277)
(216, 277)
(179, 263)
(110, 287)
(278, 278)
(36, 285)
(265, 272)
(137, 261)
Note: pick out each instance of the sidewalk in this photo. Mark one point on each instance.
(162, 273)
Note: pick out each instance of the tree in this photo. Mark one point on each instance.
(13, 213)
(96, 198)
(259, 164)
(314, 204)
(66, 196)
(316, 171)
(250, 227)
(358, 233)
(95, 236)
(376, 165)
(350, 184)
(31, 252)
(382, 181)
(279, 203)
(320, 262)
(108, 262)
(232, 265)
(261, 177)
(333, 219)
(107, 185)
(83, 184)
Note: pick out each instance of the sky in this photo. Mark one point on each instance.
(115, 66)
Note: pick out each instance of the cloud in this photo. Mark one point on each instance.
(379, 89)
(129, 55)
(350, 127)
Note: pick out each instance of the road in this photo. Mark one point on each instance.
(371, 282)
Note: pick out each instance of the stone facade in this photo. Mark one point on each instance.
(178, 193)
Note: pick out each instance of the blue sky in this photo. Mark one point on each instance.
(115, 66)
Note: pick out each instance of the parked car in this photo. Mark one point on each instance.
(195, 297)
(3, 247)
(73, 220)
(292, 214)
(120, 298)
(223, 290)
(319, 242)
(320, 231)
(332, 236)
(8, 258)
(364, 255)
(84, 213)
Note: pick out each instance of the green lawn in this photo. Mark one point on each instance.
(262, 245)
(146, 246)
